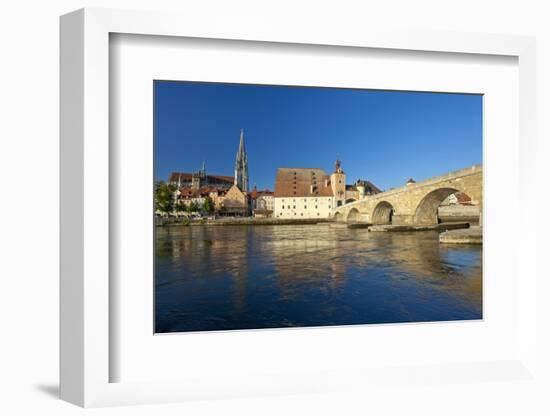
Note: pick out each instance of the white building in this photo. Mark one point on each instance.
(308, 193)
(311, 193)
(265, 201)
(304, 207)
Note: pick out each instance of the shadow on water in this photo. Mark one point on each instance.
(243, 277)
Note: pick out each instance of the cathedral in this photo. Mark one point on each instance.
(229, 193)
(241, 166)
(199, 179)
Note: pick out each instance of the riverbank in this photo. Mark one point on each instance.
(452, 232)
(168, 222)
(403, 228)
(472, 235)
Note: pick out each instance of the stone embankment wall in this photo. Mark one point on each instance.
(239, 221)
(459, 213)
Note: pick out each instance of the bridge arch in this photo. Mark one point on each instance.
(426, 211)
(338, 217)
(353, 215)
(382, 213)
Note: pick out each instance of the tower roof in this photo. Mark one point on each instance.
(242, 150)
(241, 166)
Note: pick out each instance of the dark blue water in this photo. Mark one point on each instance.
(242, 277)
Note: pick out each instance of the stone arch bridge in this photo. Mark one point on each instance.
(416, 203)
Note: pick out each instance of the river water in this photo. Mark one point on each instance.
(242, 277)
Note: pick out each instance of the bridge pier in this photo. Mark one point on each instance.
(402, 219)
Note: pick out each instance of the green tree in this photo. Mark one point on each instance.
(208, 205)
(193, 207)
(164, 198)
(181, 207)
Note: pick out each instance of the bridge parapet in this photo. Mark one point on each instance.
(414, 203)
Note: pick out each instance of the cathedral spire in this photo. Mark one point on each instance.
(241, 166)
(241, 143)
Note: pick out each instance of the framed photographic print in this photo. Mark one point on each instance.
(273, 212)
(268, 230)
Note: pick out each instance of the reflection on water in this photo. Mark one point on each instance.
(242, 277)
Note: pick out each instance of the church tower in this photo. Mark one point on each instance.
(241, 166)
(338, 184)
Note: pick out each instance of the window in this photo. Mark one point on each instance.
(294, 207)
(315, 206)
(305, 206)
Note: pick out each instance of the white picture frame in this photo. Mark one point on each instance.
(85, 212)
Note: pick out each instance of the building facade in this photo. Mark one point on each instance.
(261, 203)
(302, 193)
(311, 193)
(200, 179)
(235, 203)
(338, 184)
(360, 190)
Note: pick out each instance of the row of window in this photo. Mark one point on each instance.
(294, 200)
(294, 207)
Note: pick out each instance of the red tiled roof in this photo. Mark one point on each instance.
(462, 198)
(188, 192)
(186, 176)
(221, 178)
(179, 176)
(255, 193)
(204, 191)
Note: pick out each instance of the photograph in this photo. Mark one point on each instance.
(284, 206)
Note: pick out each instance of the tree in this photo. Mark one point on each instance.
(181, 206)
(208, 205)
(194, 207)
(164, 198)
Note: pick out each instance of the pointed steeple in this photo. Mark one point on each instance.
(242, 150)
(241, 166)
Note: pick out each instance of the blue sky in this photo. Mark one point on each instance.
(382, 136)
